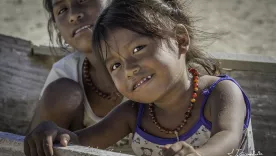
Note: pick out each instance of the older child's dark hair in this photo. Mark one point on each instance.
(153, 18)
(48, 6)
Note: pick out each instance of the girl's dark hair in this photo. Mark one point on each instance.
(153, 18)
(47, 4)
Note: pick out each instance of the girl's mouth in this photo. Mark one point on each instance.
(142, 81)
(89, 27)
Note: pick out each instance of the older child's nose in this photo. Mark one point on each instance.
(75, 17)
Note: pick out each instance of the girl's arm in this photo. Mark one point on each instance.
(228, 111)
(115, 126)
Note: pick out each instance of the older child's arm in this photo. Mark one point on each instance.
(115, 126)
(228, 111)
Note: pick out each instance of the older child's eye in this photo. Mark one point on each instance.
(138, 48)
(115, 66)
(62, 11)
(82, 1)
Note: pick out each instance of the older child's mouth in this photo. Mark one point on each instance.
(86, 27)
(142, 81)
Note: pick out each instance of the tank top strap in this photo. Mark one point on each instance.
(140, 114)
(208, 91)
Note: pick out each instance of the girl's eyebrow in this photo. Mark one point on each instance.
(56, 3)
(133, 38)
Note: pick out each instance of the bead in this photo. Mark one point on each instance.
(88, 80)
(170, 132)
(195, 89)
(193, 100)
(178, 129)
(196, 81)
(188, 114)
(196, 78)
(194, 95)
(192, 70)
(195, 84)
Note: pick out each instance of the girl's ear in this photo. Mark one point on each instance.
(182, 37)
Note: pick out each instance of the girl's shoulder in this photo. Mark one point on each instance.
(218, 83)
(128, 110)
(72, 59)
(221, 90)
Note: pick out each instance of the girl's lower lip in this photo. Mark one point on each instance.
(143, 83)
(77, 34)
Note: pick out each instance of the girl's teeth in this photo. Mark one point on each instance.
(141, 82)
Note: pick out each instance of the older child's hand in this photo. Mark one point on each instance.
(180, 148)
(40, 141)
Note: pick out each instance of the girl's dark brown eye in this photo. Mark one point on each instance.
(138, 48)
(115, 66)
(82, 1)
(62, 11)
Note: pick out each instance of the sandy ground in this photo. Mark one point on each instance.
(250, 24)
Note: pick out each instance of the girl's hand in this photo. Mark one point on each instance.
(180, 148)
(40, 141)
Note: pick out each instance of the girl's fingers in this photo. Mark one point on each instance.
(173, 149)
(32, 146)
(27, 150)
(64, 139)
(48, 146)
(39, 147)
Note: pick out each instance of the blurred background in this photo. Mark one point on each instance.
(250, 24)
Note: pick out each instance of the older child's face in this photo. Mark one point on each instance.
(74, 17)
(143, 69)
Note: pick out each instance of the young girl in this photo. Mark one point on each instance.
(149, 49)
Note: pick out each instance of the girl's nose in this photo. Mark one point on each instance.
(75, 17)
(132, 71)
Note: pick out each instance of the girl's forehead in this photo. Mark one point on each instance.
(55, 2)
(122, 37)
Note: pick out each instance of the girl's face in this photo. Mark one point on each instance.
(74, 18)
(143, 69)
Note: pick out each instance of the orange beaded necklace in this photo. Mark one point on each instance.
(187, 114)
